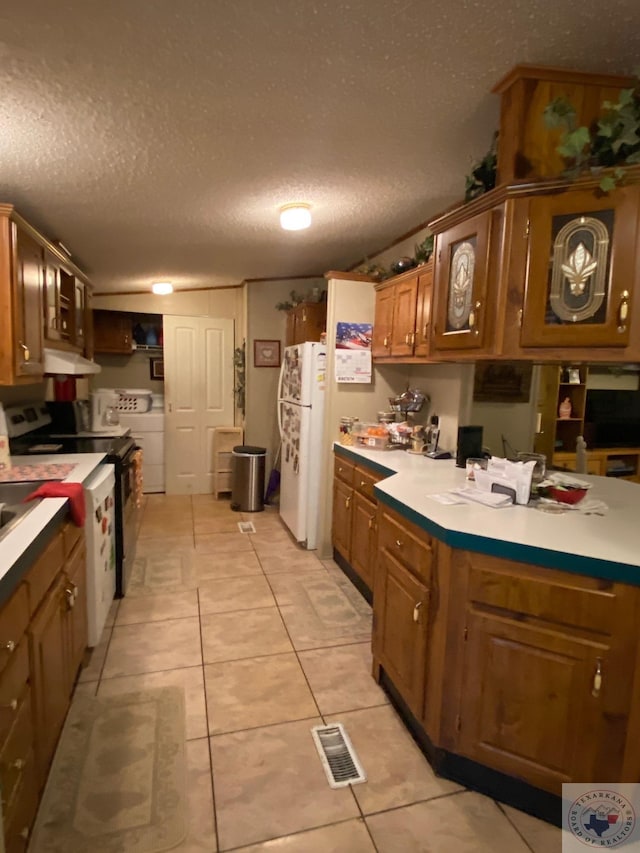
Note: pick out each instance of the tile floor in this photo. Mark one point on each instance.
(266, 641)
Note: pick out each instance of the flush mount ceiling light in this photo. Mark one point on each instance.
(295, 217)
(162, 288)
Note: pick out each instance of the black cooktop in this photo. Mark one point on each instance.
(36, 443)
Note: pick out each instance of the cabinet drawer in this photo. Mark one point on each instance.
(409, 545)
(14, 618)
(364, 481)
(224, 461)
(227, 439)
(16, 751)
(44, 570)
(20, 815)
(12, 687)
(343, 470)
(567, 600)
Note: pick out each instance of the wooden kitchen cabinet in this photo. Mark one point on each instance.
(581, 268)
(306, 322)
(21, 277)
(363, 538)
(112, 332)
(542, 658)
(402, 320)
(354, 529)
(43, 634)
(342, 514)
(466, 279)
(49, 674)
(401, 606)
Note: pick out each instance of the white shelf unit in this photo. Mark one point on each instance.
(224, 440)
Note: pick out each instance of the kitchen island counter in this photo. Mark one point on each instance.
(20, 546)
(605, 546)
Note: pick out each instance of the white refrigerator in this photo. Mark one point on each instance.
(301, 393)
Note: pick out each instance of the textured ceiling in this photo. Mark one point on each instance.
(157, 139)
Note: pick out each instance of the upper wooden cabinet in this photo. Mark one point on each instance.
(112, 332)
(581, 269)
(402, 321)
(465, 283)
(306, 322)
(43, 298)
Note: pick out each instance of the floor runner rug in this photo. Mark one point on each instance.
(117, 783)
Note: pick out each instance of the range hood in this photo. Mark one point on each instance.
(68, 363)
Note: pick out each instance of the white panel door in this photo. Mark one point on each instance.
(198, 369)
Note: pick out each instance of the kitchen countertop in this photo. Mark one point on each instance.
(20, 547)
(600, 546)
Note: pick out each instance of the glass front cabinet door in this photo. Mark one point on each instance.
(582, 259)
(461, 282)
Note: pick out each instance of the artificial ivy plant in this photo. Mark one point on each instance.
(613, 141)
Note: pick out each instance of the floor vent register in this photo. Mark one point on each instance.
(338, 756)
(246, 527)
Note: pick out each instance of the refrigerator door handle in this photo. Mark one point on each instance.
(280, 404)
(281, 379)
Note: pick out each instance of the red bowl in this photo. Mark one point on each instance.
(567, 496)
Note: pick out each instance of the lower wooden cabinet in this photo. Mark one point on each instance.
(354, 528)
(363, 538)
(43, 629)
(49, 674)
(401, 605)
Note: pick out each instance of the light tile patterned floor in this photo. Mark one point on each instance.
(266, 641)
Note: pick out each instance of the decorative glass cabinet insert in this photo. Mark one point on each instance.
(581, 268)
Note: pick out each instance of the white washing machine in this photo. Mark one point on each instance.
(147, 429)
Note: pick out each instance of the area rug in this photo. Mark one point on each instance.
(118, 780)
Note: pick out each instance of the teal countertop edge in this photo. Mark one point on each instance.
(579, 565)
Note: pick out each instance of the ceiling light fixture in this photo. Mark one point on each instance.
(295, 217)
(162, 288)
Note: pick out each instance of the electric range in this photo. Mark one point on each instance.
(32, 432)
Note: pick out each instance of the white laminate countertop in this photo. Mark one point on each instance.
(15, 543)
(602, 546)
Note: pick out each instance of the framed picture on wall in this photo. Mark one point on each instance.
(266, 353)
(156, 368)
(502, 382)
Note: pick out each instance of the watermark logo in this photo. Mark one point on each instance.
(601, 817)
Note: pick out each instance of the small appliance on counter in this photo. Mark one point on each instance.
(104, 410)
(469, 444)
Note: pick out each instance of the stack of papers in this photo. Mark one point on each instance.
(493, 499)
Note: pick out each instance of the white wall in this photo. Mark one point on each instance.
(266, 322)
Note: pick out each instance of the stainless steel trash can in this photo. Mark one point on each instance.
(247, 487)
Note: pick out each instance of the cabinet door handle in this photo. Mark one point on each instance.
(385, 342)
(24, 833)
(623, 311)
(416, 611)
(347, 502)
(12, 706)
(372, 519)
(71, 599)
(413, 339)
(473, 317)
(340, 470)
(406, 338)
(424, 330)
(399, 543)
(304, 316)
(363, 483)
(25, 351)
(18, 764)
(597, 678)
(10, 646)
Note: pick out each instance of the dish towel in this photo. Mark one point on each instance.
(73, 491)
